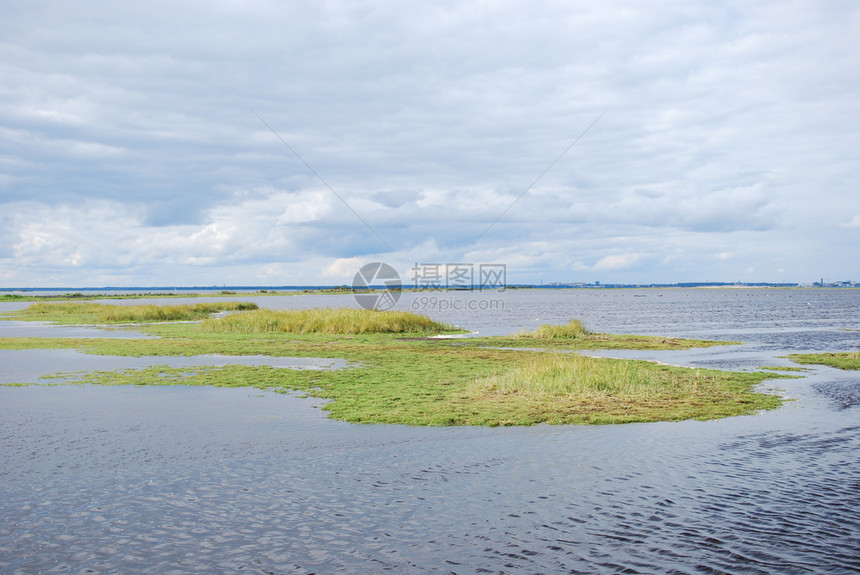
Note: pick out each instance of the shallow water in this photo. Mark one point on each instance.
(179, 479)
(33, 365)
(13, 328)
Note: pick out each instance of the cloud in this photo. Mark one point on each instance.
(853, 224)
(132, 144)
(617, 262)
(344, 268)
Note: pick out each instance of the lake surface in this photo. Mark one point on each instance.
(183, 480)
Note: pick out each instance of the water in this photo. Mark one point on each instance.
(32, 365)
(184, 480)
(11, 328)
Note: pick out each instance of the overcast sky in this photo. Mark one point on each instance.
(151, 143)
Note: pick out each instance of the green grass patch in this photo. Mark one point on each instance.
(77, 313)
(327, 321)
(424, 381)
(554, 374)
(844, 360)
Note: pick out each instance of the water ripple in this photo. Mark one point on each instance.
(202, 480)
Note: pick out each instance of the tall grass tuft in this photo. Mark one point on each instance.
(326, 320)
(571, 330)
(552, 374)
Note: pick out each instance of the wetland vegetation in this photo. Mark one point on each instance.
(78, 313)
(327, 321)
(844, 360)
(399, 373)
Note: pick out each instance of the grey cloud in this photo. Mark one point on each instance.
(723, 119)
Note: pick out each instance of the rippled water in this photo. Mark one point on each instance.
(184, 480)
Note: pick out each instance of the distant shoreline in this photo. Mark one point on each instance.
(165, 291)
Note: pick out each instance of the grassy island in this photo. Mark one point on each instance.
(404, 369)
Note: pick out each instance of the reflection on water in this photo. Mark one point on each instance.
(154, 480)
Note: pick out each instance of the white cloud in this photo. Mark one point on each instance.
(853, 224)
(308, 207)
(343, 268)
(617, 262)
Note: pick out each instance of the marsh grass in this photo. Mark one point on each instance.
(12, 297)
(571, 330)
(565, 388)
(568, 374)
(326, 321)
(844, 360)
(94, 313)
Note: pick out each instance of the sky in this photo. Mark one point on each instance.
(277, 143)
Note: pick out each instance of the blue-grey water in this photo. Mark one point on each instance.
(183, 480)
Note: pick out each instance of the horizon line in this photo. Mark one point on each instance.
(559, 285)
